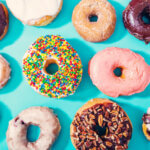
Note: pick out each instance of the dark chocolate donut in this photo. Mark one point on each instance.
(133, 19)
(3, 20)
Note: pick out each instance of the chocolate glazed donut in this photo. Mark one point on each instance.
(133, 19)
(3, 20)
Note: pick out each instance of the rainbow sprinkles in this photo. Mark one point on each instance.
(49, 49)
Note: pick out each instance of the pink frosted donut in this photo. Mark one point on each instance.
(135, 73)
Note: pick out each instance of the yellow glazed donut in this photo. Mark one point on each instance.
(101, 124)
(45, 51)
(35, 12)
(146, 124)
(99, 30)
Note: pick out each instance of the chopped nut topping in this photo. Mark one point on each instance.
(100, 120)
(112, 117)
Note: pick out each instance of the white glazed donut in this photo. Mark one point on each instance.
(35, 12)
(4, 71)
(39, 116)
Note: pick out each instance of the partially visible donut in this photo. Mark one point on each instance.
(99, 30)
(101, 124)
(132, 66)
(4, 71)
(45, 51)
(38, 116)
(4, 21)
(35, 12)
(146, 124)
(133, 19)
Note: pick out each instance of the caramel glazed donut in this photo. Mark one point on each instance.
(4, 21)
(38, 116)
(35, 12)
(4, 71)
(101, 125)
(133, 19)
(94, 31)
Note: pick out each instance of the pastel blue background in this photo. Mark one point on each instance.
(17, 95)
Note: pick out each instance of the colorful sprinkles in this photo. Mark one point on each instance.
(66, 80)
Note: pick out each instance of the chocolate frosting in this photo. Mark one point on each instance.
(3, 18)
(102, 126)
(132, 17)
(146, 118)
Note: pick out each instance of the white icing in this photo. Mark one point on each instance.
(28, 10)
(148, 125)
(148, 111)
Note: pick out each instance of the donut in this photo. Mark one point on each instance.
(133, 19)
(97, 30)
(47, 50)
(4, 71)
(4, 21)
(101, 124)
(35, 12)
(146, 124)
(132, 66)
(38, 116)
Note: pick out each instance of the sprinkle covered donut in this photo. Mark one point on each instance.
(47, 50)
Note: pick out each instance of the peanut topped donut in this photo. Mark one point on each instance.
(133, 19)
(132, 66)
(100, 29)
(45, 51)
(4, 71)
(38, 116)
(35, 12)
(101, 124)
(3, 21)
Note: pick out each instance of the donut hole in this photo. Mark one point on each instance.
(148, 132)
(101, 131)
(146, 15)
(118, 72)
(33, 133)
(51, 67)
(93, 18)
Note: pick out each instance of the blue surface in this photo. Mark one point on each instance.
(17, 95)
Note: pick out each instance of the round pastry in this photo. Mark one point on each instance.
(4, 20)
(99, 29)
(4, 71)
(133, 19)
(45, 51)
(35, 12)
(101, 124)
(38, 116)
(132, 66)
(146, 124)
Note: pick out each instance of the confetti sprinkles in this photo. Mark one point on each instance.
(66, 80)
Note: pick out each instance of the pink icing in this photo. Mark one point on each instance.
(135, 70)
